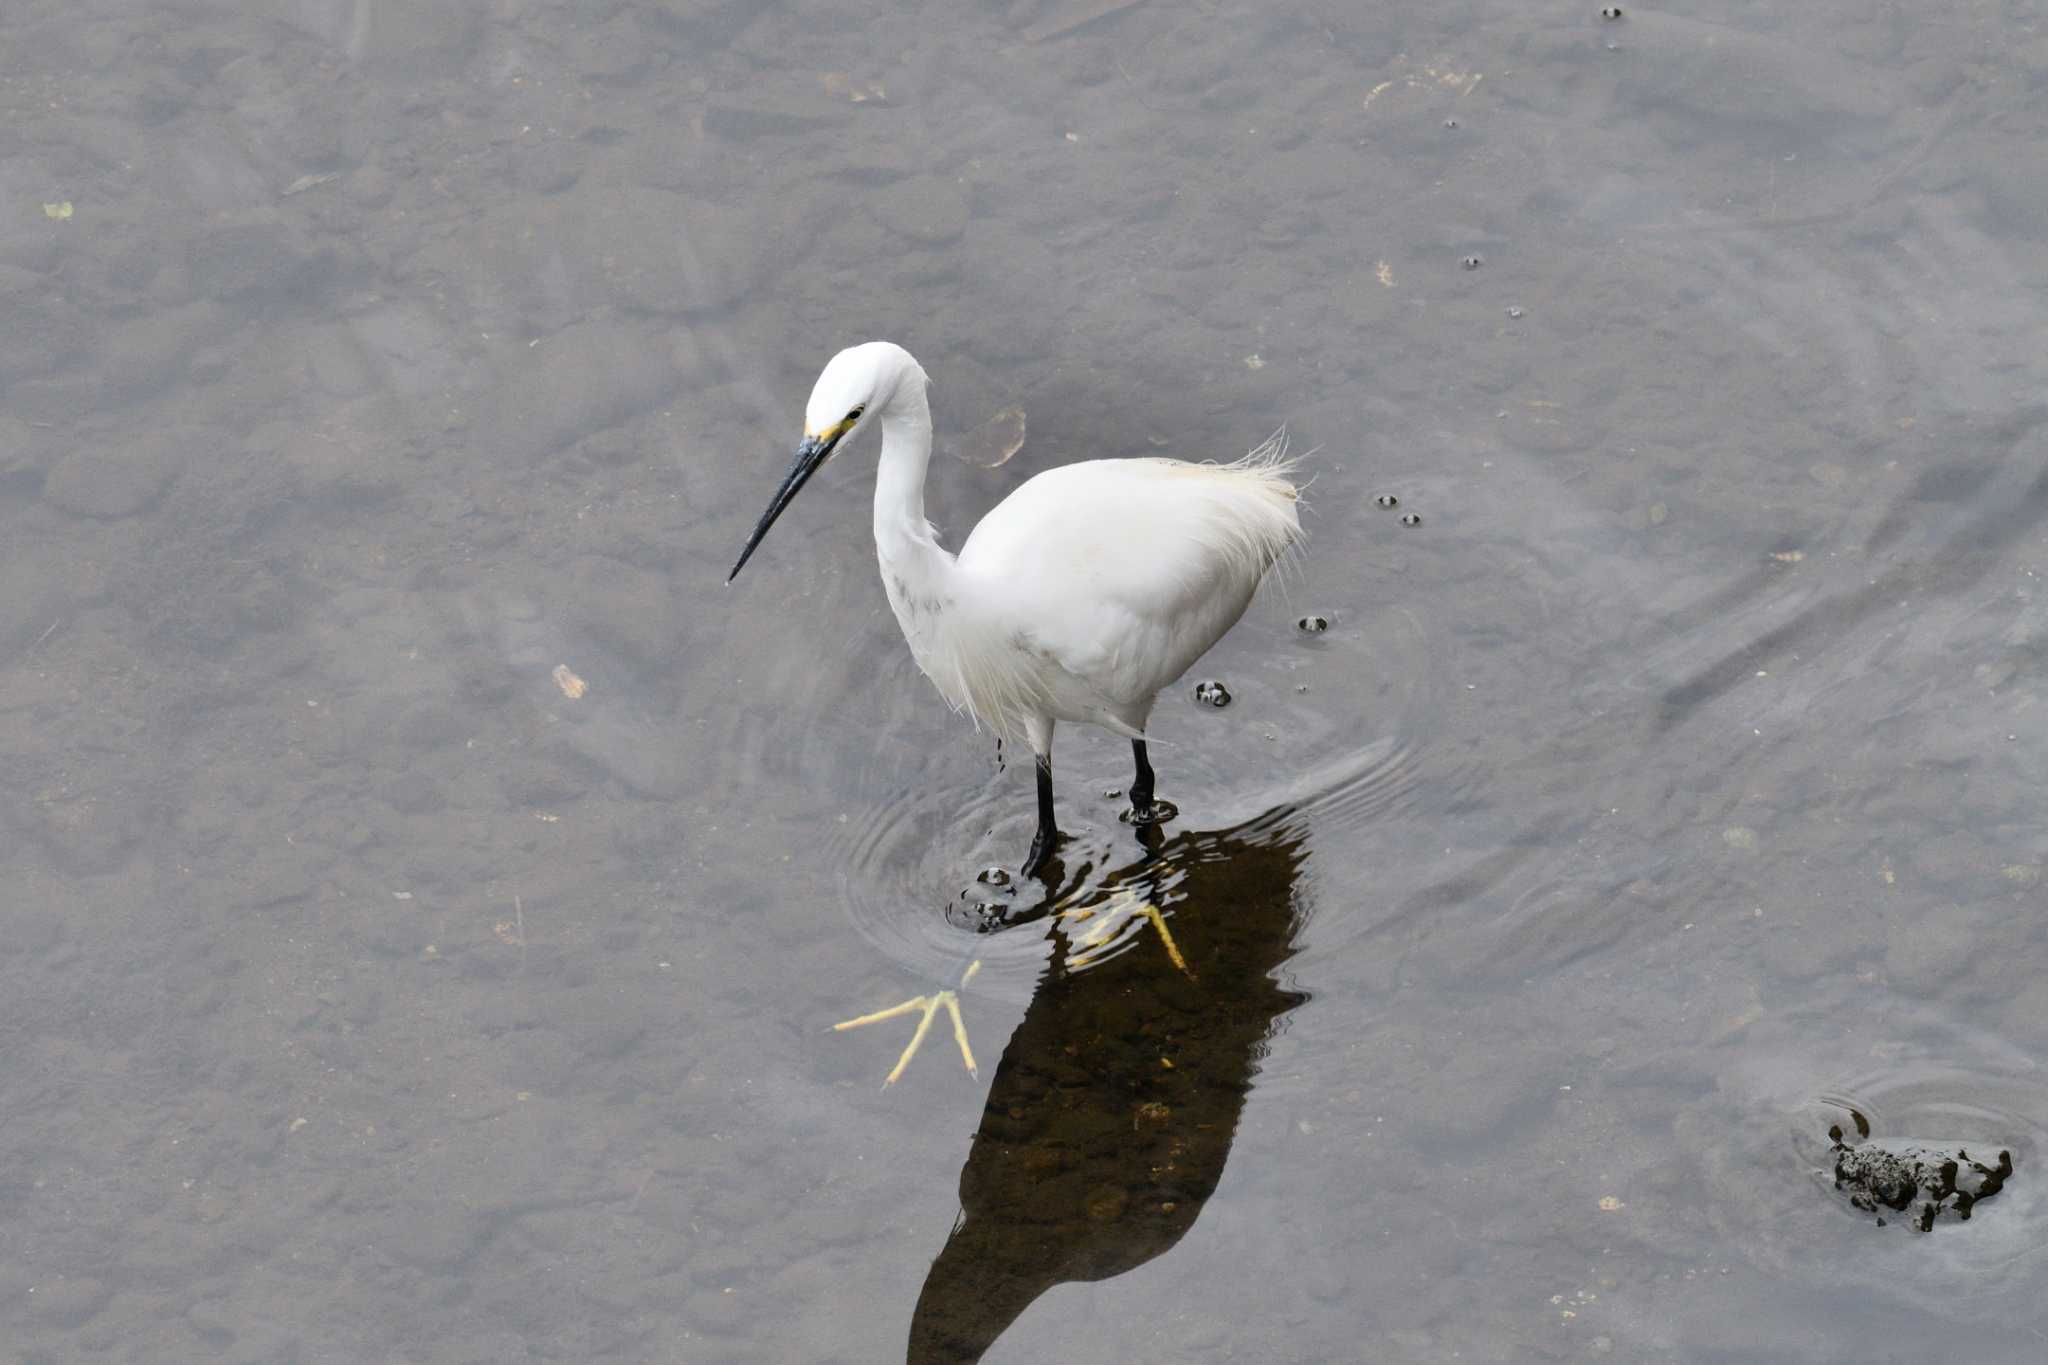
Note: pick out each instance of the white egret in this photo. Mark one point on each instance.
(1079, 597)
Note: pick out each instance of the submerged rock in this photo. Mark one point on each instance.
(1922, 1182)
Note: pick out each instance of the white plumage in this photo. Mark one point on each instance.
(1080, 595)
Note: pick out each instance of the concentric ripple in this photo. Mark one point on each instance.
(1777, 1193)
(916, 861)
(1925, 1108)
(914, 883)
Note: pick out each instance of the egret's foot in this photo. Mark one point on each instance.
(1105, 922)
(1041, 852)
(1151, 813)
(930, 1005)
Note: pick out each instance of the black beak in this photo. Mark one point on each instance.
(812, 453)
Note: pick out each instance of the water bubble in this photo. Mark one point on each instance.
(989, 893)
(1514, 312)
(1387, 500)
(1472, 262)
(1610, 12)
(1212, 693)
(1450, 123)
(985, 903)
(978, 916)
(1112, 793)
(1410, 519)
(1161, 812)
(1313, 625)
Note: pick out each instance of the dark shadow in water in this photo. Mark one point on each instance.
(1114, 1107)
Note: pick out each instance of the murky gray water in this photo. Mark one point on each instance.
(377, 373)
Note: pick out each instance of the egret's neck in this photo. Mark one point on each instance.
(903, 538)
(917, 573)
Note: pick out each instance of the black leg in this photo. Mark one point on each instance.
(1141, 785)
(1041, 842)
(1147, 811)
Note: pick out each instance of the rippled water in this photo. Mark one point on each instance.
(431, 892)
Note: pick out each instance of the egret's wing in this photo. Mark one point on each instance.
(1124, 572)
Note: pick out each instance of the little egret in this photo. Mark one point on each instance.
(1081, 595)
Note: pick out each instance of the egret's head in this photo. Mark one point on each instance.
(844, 392)
(859, 381)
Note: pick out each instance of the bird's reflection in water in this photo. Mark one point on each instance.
(1116, 1101)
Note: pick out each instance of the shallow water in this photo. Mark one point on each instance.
(1668, 793)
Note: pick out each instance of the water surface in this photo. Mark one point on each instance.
(1670, 792)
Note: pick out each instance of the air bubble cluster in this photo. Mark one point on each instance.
(1212, 693)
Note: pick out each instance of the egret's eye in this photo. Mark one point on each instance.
(854, 415)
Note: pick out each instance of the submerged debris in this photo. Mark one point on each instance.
(991, 444)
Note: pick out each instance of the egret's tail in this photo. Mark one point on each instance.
(1270, 460)
(1254, 513)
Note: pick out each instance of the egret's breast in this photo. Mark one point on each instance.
(920, 612)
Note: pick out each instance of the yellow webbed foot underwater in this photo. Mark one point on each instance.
(930, 1005)
(1104, 924)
